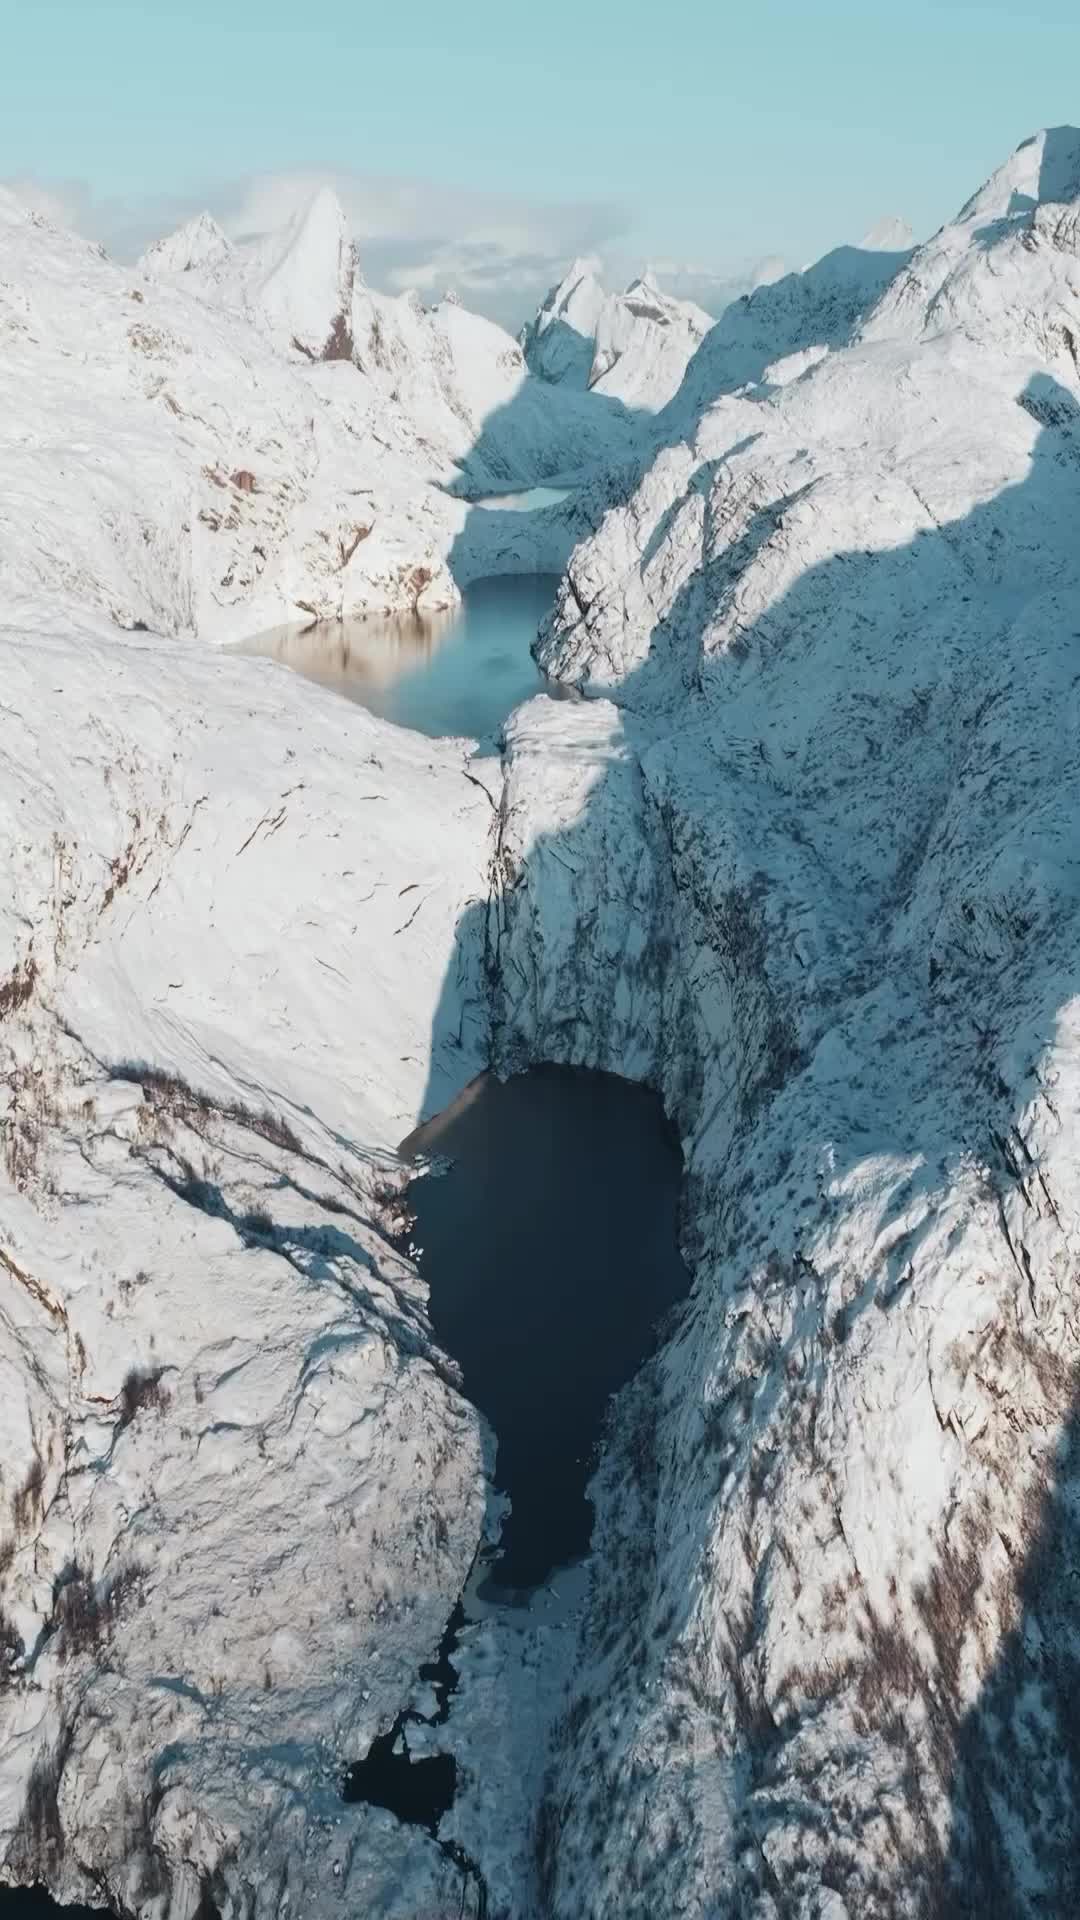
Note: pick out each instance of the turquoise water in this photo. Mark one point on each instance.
(460, 672)
(527, 502)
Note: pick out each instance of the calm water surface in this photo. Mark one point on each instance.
(527, 502)
(550, 1248)
(33, 1903)
(460, 672)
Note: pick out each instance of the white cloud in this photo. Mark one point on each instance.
(64, 202)
(500, 253)
(714, 287)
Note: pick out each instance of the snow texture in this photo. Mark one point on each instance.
(806, 862)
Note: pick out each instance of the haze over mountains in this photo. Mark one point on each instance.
(804, 860)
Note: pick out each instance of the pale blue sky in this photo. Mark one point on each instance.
(712, 131)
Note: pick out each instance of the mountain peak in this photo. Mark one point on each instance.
(584, 266)
(1045, 167)
(309, 276)
(891, 234)
(558, 345)
(200, 242)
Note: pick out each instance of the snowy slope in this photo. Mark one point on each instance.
(457, 382)
(466, 382)
(241, 1492)
(129, 411)
(781, 328)
(173, 460)
(822, 884)
(305, 288)
(1007, 270)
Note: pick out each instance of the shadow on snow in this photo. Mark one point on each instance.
(911, 723)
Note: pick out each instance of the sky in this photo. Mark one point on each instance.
(483, 145)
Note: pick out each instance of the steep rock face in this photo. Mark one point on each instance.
(559, 343)
(830, 1627)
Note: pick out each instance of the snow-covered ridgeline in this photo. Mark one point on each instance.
(179, 456)
(817, 877)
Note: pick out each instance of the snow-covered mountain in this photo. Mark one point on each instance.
(840, 620)
(231, 438)
(644, 340)
(631, 346)
(196, 247)
(1005, 270)
(891, 234)
(298, 282)
(460, 379)
(783, 326)
(807, 863)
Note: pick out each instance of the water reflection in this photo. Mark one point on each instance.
(456, 672)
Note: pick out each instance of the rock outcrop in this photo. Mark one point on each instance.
(241, 1490)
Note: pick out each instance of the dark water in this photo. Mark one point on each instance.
(419, 1790)
(445, 673)
(33, 1903)
(550, 1250)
